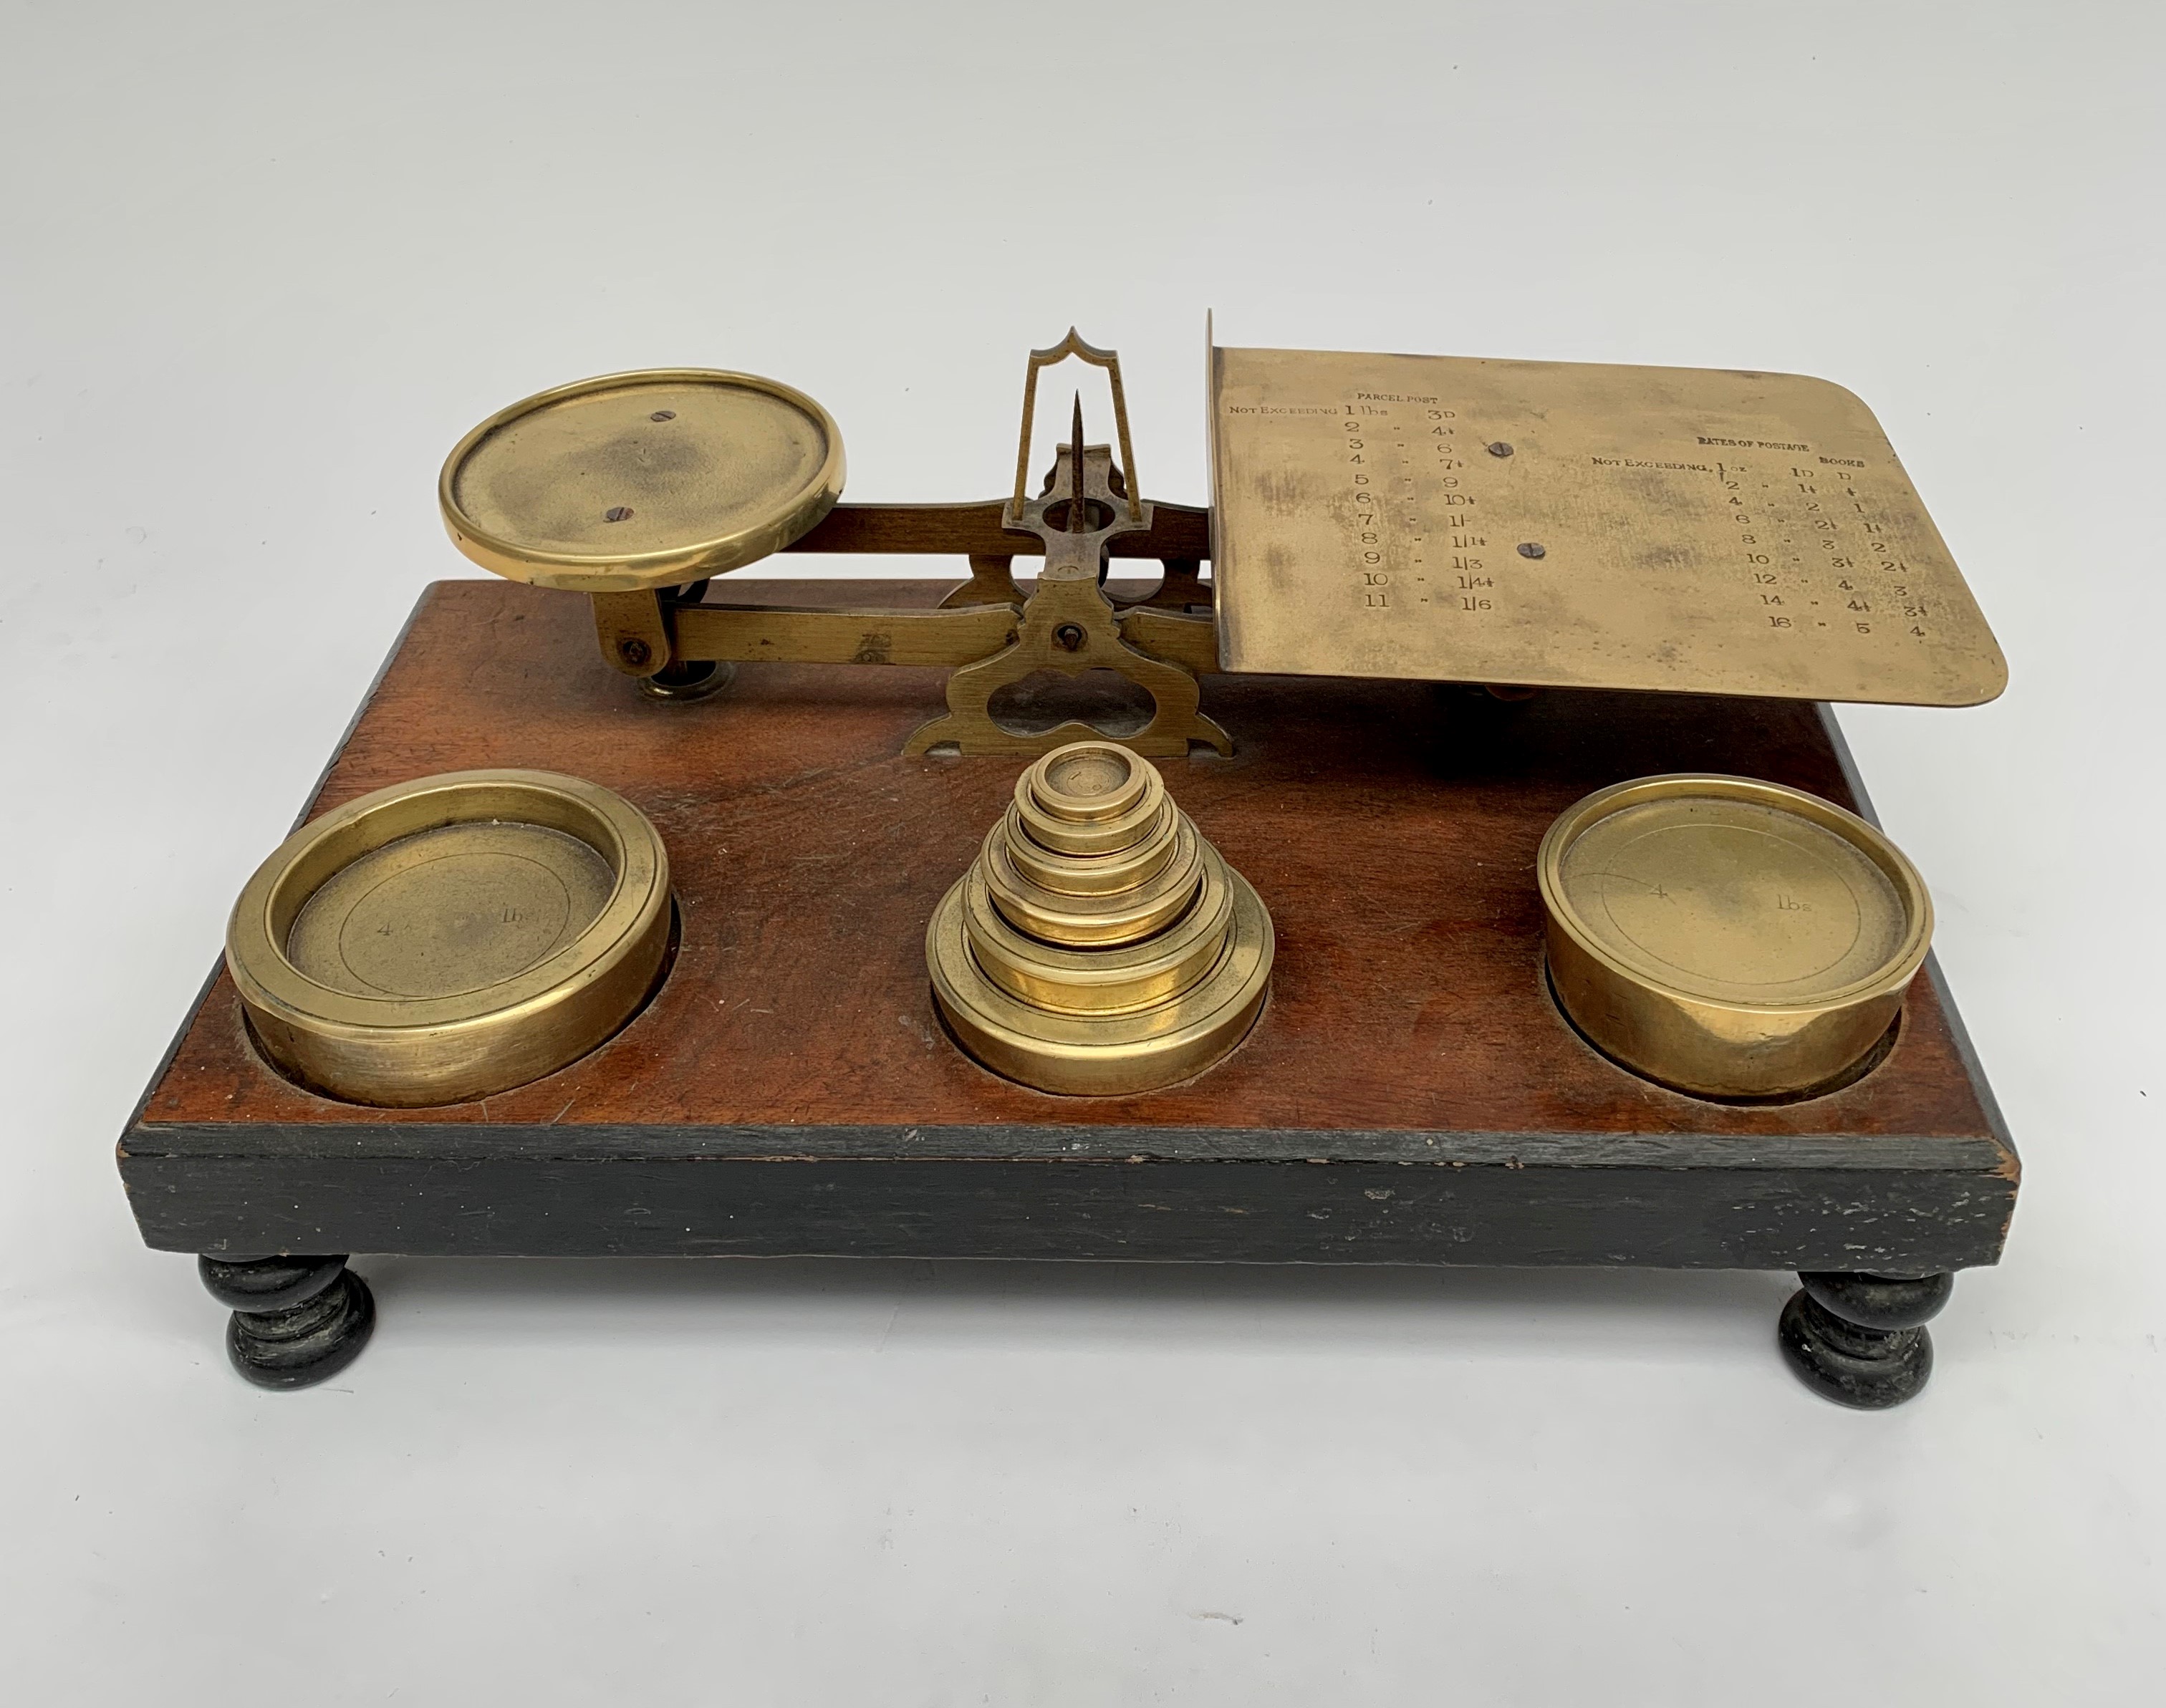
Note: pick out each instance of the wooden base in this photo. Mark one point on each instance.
(1410, 1095)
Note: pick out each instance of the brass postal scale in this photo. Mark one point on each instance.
(1466, 870)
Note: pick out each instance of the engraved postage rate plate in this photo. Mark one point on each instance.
(1576, 525)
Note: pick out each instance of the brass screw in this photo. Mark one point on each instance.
(1528, 548)
(1499, 448)
(633, 650)
(1069, 635)
(617, 512)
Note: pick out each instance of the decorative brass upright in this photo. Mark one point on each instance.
(1068, 625)
(1098, 944)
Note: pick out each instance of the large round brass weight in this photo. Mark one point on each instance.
(1728, 936)
(1098, 945)
(453, 936)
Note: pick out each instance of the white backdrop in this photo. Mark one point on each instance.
(263, 263)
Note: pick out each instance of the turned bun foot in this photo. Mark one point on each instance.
(1861, 1340)
(296, 1321)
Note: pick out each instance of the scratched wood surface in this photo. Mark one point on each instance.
(1390, 829)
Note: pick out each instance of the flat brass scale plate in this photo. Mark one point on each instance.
(1575, 525)
(641, 480)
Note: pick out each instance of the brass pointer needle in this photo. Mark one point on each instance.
(1078, 521)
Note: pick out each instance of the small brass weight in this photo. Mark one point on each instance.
(1098, 944)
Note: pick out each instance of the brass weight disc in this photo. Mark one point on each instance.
(1729, 937)
(641, 480)
(1097, 834)
(1100, 980)
(453, 936)
(1103, 920)
(1104, 1054)
(1084, 874)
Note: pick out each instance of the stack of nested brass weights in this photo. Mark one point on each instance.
(1098, 945)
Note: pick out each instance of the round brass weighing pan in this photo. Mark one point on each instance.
(641, 480)
(1730, 937)
(453, 936)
